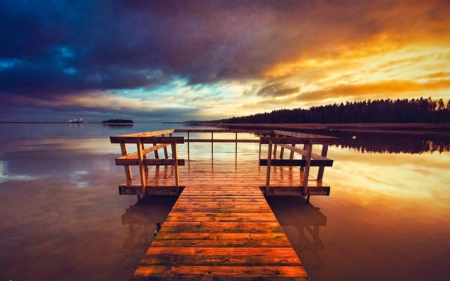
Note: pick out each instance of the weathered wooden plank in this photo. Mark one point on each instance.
(220, 236)
(147, 134)
(236, 243)
(149, 190)
(146, 139)
(221, 271)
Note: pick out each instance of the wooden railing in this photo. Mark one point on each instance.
(159, 140)
(288, 140)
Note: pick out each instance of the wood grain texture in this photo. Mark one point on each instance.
(217, 232)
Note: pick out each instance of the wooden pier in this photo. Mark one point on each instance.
(221, 227)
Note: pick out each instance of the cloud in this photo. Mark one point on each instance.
(276, 90)
(388, 89)
(53, 53)
(436, 75)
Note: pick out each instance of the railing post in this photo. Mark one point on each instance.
(127, 168)
(188, 144)
(212, 145)
(306, 172)
(322, 168)
(166, 155)
(275, 149)
(282, 151)
(235, 147)
(291, 155)
(303, 157)
(269, 160)
(141, 166)
(175, 157)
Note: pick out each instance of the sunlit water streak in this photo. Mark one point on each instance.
(62, 217)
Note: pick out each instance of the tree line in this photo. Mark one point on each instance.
(368, 111)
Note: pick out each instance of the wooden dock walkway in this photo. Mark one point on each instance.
(221, 227)
(221, 233)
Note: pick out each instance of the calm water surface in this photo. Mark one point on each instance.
(387, 217)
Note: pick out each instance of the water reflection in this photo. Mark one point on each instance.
(301, 222)
(141, 219)
(395, 142)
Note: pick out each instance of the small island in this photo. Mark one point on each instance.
(118, 121)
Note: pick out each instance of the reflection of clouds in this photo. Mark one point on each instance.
(408, 178)
(6, 176)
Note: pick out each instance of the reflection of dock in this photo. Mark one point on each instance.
(141, 220)
(221, 226)
(301, 223)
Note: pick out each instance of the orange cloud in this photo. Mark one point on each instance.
(441, 74)
(387, 89)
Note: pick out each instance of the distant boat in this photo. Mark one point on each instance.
(76, 121)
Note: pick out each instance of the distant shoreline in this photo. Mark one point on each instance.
(418, 128)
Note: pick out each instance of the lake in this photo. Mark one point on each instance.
(387, 217)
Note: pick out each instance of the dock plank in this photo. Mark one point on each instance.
(221, 232)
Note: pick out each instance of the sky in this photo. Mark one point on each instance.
(154, 61)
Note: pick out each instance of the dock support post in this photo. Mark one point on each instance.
(127, 168)
(139, 198)
(269, 160)
(141, 166)
(212, 145)
(306, 172)
(322, 168)
(307, 199)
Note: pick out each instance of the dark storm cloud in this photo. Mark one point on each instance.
(115, 44)
(53, 48)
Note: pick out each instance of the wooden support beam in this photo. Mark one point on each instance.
(188, 141)
(275, 150)
(146, 134)
(322, 168)
(126, 139)
(134, 155)
(141, 166)
(308, 164)
(166, 154)
(296, 163)
(269, 158)
(222, 131)
(222, 140)
(303, 152)
(291, 155)
(127, 168)
(177, 172)
(156, 152)
(302, 168)
(235, 145)
(312, 137)
(281, 152)
(164, 162)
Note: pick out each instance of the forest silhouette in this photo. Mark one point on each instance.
(369, 111)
